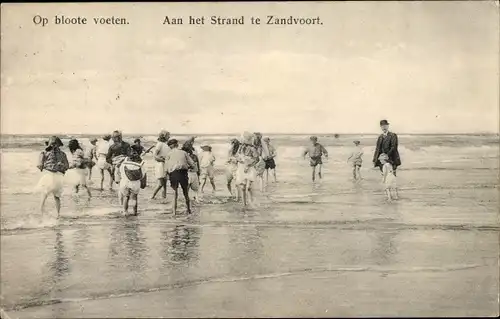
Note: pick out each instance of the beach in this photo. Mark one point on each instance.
(329, 249)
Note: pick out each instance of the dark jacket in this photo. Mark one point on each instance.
(117, 149)
(388, 145)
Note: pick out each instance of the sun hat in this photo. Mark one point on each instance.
(247, 138)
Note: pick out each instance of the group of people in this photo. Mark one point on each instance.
(249, 158)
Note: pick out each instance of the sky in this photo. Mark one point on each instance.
(427, 67)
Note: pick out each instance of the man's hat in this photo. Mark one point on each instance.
(384, 122)
(93, 140)
(106, 137)
(357, 142)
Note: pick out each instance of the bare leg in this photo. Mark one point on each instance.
(319, 171)
(213, 183)
(358, 168)
(111, 178)
(396, 195)
(88, 191)
(250, 192)
(57, 200)
(90, 173)
(354, 173)
(164, 184)
(102, 179)
(42, 202)
(274, 175)
(388, 193)
(120, 197)
(185, 192)
(261, 180)
(174, 202)
(229, 188)
(267, 176)
(136, 204)
(161, 183)
(203, 184)
(314, 173)
(125, 204)
(242, 188)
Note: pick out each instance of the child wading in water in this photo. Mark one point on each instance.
(207, 160)
(77, 174)
(388, 178)
(91, 154)
(177, 163)
(53, 164)
(248, 157)
(357, 160)
(232, 165)
(316, 152)
(193, 174)
(132, 181)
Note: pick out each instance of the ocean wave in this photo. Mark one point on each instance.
(408, 142)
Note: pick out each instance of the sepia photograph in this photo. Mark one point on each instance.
(250, 159)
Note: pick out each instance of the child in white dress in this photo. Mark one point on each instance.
(388, 178)
(78, 168)
(207, 160)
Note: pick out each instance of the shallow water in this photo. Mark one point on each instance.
(333, 248)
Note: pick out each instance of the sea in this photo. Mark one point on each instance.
(334, 247)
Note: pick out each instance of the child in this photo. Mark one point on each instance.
(315, 151)
(263, 152)
(248, 157)
(194, 180)
(207, 160)
(101, 152)
(132, 181)
(388, 178)
(177, 163)
(270, 162)
(161, 150)
(357, 160)
(53, 164)
(91, 154)
(77, 174)
(139, 149)
(232, 165)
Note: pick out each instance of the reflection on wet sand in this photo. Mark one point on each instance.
(180, 245)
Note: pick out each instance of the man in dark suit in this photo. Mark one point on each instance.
(387, 143)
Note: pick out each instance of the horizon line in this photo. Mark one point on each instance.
(264, 133)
